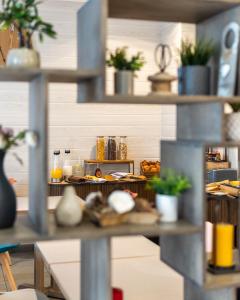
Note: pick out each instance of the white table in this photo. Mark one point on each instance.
(136, 269)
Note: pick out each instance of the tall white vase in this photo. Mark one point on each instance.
(167, 207)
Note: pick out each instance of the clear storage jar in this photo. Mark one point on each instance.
(100, 148)
(112, 148)
(122, 148)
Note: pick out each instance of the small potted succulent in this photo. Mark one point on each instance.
(124, 70)
(168, 187)
(233, 123)
(8, 141)
(23, 16)
(194, 74)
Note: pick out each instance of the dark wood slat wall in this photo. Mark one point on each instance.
(84, 189)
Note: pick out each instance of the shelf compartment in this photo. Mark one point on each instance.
(51, 75)
(23, 230)
(186, 11)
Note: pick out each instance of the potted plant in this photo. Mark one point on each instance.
(194, 74)
(168, 187)
(232, 120)
(23, 16)
(125, 68)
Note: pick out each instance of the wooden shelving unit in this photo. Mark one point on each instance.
(186, 11)
(23, 230)
(200, 124)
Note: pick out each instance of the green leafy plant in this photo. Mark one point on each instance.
(235, 106)
(119, 60)
(196, 54)
(170, 183)
(24, 16)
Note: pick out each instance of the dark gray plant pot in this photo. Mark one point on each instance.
(7, 198)
(123, 82)
(194, 80)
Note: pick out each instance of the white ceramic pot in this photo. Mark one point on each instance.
(23, 58)
(69, 211)
(167, 207)
(233, 126)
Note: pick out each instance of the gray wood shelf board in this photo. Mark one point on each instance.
(24, 231)
(52, 75)
(163, 99)
(222, 281)
(186, 11)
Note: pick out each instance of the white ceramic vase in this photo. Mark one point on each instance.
(167, 206)
(233, 126)
(23, 58)
(69, 211)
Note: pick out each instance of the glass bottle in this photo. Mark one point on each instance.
(67, 165)
(122, 148)
(100, 148)
(56, 170)
(112, 148)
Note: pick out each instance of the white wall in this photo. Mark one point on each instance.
(75, 126)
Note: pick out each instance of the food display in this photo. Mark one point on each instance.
(122, 148)
(112, 148)
(150, 168)
(110, 211)
(225, 187)
(100, 148)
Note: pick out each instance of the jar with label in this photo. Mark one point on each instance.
(67, 165)
(112, 148)
(56, 170)
(100, 148)
(122, 148)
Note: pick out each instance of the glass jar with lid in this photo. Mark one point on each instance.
(112, 148)
(56, 169)
(122, 148)
(100, 148)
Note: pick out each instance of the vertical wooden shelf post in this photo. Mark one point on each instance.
(91, 35)
(38, 156)
(96, 269)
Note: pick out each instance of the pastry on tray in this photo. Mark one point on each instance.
(76, 179)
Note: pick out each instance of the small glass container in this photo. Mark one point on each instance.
(100, 148)
(78, 169)
(112, 148)
(67, 165)
(122, 148)
(56, 170)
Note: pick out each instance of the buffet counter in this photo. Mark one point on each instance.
(84, 188)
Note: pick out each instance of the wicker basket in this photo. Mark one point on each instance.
(151, 164)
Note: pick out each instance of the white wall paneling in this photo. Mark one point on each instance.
(75, 126)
